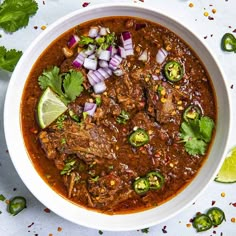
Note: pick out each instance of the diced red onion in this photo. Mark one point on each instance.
(73, 41)
(118, 72)
(104, 73)
(112, 49)
(79, 60)
(139, 26)
(100, 87)
(93, 32)
(126, 40)
(144, 56)
(115, 62)
(103, 31)
(104, 55)
(90, 108)
(93, 56)
(92, 78)
(157, 77)
(103, 63)
(90, 50)
(126, 35)
(90, 64)
(108, 70)
(161, 55)
(122, 52)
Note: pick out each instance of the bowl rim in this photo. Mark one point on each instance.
(107, 222)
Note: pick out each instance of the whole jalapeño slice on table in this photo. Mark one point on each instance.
(202, 222)
(228, 42)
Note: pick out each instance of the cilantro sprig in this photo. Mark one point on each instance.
(15, 14)
(9, 58)
(196, 134)
(67, 85)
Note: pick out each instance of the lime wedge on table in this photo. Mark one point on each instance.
(227, 173)
(50, 107)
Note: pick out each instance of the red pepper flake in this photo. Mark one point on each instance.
(85, 4)
(213, 203)
(230, 26)
(234, 31)
(234, 204)
(232, 86)
(47, 210)
(191, 220)
(14, 189)
(141, 0)
(164, 230)
(35, 27)
(210, 18)
(7, 151)
(43, 2)
(59, 229)
(214, 232)
(31, 225)
(205, 37)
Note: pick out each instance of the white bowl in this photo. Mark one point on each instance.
(59, 204)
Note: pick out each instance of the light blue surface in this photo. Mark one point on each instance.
(34, 220)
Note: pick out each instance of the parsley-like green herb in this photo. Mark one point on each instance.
(9, 58)
(146, 230)
(68, 167)
(123, 117)
(196, 134)
(67, 85)
(2, 197)
(15, 14)
(60, 121)
(98, 101)
(85, 40)
(74, 116)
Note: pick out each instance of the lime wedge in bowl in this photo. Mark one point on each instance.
(50, 107)
(227, 173)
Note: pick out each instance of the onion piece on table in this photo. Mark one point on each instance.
(161, 55)
(99, 87)
(90, 108)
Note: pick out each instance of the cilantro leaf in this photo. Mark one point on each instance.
(206, 125)
(71, 83)
(195, 146)
(9, 59)
(196, 134)
(85, 40)
(51, 78)
(14, 14)
(123, 117)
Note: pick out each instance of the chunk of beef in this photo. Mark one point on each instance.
(88, 141)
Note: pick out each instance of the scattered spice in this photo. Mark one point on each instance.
(100, 232)
(213, 203)
(47, 210)
(213, 11)
(59, 229)
(234, 31)
(35, 27)
(205, 37)
(233, 219)
(210, 18)
(85, 4)
(164, 229)
(234, 204)
(222, 194)
(191, 4)
(232, 86)
(43, 2)
(43, 27)
(14, 189)
(50, 235)
(188, 225)
(146, 230)
(31, 225)
(206, 13)
(141, 0)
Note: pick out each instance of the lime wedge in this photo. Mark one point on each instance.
(50, 107)
(227, 173)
